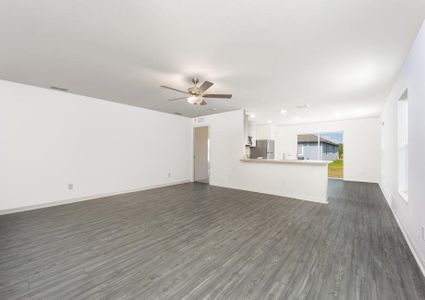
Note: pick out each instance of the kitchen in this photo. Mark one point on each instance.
(281, 172)
(231, 165)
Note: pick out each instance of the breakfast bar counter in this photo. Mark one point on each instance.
(287, 161)
(298, 179)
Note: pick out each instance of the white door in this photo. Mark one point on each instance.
(201, 164)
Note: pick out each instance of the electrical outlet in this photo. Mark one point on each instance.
(70, 186)
(169, 175)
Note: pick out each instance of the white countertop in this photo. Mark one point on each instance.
(288, 161)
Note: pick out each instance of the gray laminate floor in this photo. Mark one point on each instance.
(197, 241)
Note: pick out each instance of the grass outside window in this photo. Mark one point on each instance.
(336, 169)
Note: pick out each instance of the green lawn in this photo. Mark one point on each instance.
(335, 169)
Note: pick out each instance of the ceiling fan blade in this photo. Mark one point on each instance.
(173, 89)
(181, 98)
(224, 96)
(205, 86)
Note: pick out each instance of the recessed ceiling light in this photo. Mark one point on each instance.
(283, 111)
(296, 118)
(269, 121)
(252, 115)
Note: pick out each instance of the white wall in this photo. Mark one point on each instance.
(411, 215)
(361, 145)
(227, 147)
(50, 139)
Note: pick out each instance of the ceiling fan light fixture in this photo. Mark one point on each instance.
(196, 95)
(194, 99)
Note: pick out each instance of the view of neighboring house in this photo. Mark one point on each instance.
(310, 147)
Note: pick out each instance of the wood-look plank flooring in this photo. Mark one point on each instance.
(196, 241)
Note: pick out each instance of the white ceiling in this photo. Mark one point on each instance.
(339, 56)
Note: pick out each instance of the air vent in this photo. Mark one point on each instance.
(303, 106)
(56, 88)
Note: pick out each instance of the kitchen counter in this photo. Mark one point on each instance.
(297, 179)
(287, 161)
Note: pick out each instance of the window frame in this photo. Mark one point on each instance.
(403, 147)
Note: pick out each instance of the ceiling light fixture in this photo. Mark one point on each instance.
(283, 111)
(269, 121)
(194, 100)
(252, 115)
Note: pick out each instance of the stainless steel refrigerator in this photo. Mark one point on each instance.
(264, 149)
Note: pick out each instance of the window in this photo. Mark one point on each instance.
(402, 137)
(300, 151)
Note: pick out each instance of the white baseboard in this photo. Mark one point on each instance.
(66, 201)
(416, 255)
(360, 180)
(290, 196)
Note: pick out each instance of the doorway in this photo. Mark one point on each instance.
(328, 146)
(201, 157)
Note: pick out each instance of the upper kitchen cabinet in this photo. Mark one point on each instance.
(264, 132)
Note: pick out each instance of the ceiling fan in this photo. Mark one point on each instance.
(196, 94)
